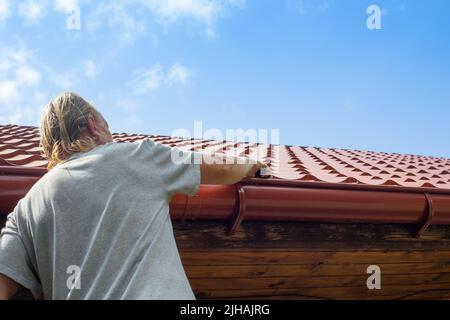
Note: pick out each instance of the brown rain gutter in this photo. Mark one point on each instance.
(282, 200)
(289, 200)
(15, 182)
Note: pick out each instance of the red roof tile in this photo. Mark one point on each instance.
(19, 146)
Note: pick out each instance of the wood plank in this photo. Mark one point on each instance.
(301, 235)
(426, 295)
(396, 292)
(227, 257)
(310, 260)
(310, 270)
(313, 261)
(316, 281)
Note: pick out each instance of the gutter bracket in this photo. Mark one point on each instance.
(428, 218)
(191, 211)
(238, 216)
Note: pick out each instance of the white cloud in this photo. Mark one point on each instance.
(32, 11)
(15, 66)
(130, 27)
(26, 83)
(65, 81)
(5, 9)
(14, 56)
(9, 92)
(178, 74)
(204, 11)
(171, 11)
(71, 79)
(21, 99)
(148, 80)
(66, 6)
(130, 18)
(28, 75)
(119, 16)
(90, 69)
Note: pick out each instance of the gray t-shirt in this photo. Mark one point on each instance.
(97, 226)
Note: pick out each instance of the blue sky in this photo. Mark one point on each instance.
(310, 68)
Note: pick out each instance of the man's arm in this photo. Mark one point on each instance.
(229, 171)
(8, 287)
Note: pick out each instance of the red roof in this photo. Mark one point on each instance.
(19, 146)
(308, 184)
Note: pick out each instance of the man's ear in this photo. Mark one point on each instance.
(91, 125)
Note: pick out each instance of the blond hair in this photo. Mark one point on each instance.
(64, 127)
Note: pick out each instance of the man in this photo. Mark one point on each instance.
(97, 224)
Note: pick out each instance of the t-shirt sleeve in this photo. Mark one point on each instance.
(179, 169)
(14, 259)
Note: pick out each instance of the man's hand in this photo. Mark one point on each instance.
(8, 287)
(231, 171)
(263, 171)
(260, 170)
